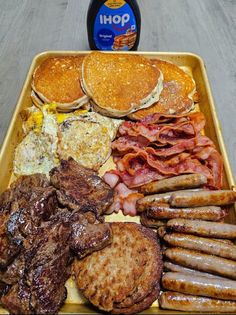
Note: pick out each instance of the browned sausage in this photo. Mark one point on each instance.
(202, 228)
(151, 223)
(208, 213)
(184, 283)
(161, 231)
(206, 245)
(190, 303)
(204, 262)
(169, 266)
(152, 200)
(203, 198)
(144, 203)
(174, 183)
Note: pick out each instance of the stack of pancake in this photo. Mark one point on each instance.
(116, 85)
(58, 80)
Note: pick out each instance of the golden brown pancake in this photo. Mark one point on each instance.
(177, 94)
(58, 80)
(120, 83)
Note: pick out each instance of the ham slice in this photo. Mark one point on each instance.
(125, 199)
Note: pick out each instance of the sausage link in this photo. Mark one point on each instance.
(203, 286)
(206, 245)
(190, 303)
(202, 228)
(169, 266)
(151, 223)
(210, 213)
(154, 200)
(204, 262)
(203, 198)
(174, 183)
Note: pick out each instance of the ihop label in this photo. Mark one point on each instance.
(115, 28)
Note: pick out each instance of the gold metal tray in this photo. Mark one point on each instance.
(191, 63)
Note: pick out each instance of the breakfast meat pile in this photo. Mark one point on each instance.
(116, 134)
(43, 225)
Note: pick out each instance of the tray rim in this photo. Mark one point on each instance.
(217, 126)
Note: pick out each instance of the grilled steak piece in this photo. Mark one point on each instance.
(38, 237)
(12, 201)
(48, 266)
(25, 220)
(88, 236)
(14, 272)
(41, 289)
(80, 188)
(23, 187)
(3, 288)
(8, 249)
(17, 299)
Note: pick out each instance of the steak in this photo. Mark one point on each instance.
(14, 272)
(12, 202)
(17, 299)
(25, 220)
(80, 188)
(88, 235)
(22, 188)
(48, 266)
(41, 289)
(8, 249)
(39, 237)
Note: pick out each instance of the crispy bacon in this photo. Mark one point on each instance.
(161, 146)
(176, 130)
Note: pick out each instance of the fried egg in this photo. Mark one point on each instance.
(35, 154)
(87, 142)
(35, 117)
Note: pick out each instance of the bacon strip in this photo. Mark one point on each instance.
(161, 146)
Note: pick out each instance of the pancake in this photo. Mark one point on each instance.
(58, 80)
(120, 83)
(177, 95)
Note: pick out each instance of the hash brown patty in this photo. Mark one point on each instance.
(125, 275)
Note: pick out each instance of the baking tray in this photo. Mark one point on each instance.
(191, 63)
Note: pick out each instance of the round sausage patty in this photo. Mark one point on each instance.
(126, 274)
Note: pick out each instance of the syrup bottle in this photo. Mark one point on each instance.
(113, 25)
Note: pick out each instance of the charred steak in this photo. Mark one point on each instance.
(39, 236)
(88, 235)
(80, 188)
(22, 213)
(19, 205)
